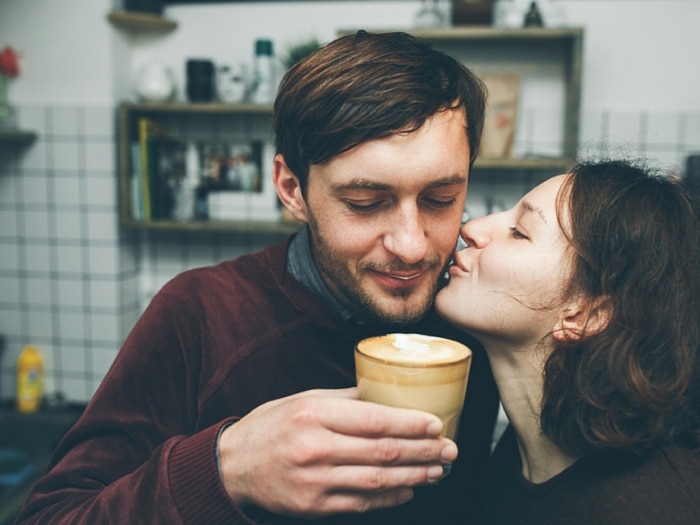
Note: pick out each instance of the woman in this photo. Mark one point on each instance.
(586, 295)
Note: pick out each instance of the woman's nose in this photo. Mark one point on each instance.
(474, 233)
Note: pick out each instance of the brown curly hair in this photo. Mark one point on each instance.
(635, 383)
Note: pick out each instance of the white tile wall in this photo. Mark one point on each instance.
(73, 283)
(9, 256)
(34, 223)
(72, 358)
(69, 259)
(65, 284)
(10, 294)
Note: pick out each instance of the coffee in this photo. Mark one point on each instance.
(415, 371)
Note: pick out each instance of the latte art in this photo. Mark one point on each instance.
(414, 348)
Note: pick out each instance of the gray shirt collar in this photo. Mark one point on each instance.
(301, 264)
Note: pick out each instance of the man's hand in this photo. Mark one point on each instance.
(323, 452)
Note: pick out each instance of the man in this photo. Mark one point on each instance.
(231, 399)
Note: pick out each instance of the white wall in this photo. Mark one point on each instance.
(639, 54)
(66, 49)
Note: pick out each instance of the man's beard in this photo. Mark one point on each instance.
(348, 289)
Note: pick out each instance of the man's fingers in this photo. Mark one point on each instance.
(340, 410)
(349, 450)
(347, 502)
(375, 480)
(361, 418)
(360, 489)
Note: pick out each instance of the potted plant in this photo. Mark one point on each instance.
(299, 50)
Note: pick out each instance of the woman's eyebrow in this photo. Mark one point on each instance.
(528, 206)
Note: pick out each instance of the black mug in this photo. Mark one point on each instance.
(200, 80)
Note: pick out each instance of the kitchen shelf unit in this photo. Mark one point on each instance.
(481, 48)
(139, 22)
(199, 122)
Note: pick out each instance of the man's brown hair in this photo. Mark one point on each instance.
(368, 86)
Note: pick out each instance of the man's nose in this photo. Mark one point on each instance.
(407, 238)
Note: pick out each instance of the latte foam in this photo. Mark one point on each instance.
(413, 349)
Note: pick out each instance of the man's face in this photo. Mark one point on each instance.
(384, 218)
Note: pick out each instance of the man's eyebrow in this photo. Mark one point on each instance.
(361, 184)
(534, 209)
(365, 184)
(449, 181)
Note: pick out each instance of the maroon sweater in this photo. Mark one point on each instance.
(660, 488)
(213, 344)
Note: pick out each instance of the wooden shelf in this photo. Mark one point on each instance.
(534, 163)
(137, 22)
(243, 227)
(16, 136)
(199, 121)
(497, 34)
(201, 108)
(487, 33)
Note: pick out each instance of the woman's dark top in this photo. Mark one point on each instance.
(660, 488)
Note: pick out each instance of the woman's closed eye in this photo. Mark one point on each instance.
(517, 234)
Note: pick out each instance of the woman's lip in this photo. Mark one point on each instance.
(457, 261)
(455, 269)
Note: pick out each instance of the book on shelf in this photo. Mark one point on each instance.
(162, 165)
(137, 207)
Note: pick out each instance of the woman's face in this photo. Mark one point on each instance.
(507, 284)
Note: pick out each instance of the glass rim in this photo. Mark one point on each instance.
(405, 364)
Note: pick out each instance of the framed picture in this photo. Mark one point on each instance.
(241, 182)
(501, 116)
(232, 166)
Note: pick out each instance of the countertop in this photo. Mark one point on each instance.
(35, 435)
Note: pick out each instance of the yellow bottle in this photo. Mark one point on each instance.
(30, 379)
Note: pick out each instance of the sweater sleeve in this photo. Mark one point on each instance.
(179, 484)
(140, 453)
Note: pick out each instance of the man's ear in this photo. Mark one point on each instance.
(583, 317)
(288, 188)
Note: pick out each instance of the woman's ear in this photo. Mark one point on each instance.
(288, 188)
(583, 317)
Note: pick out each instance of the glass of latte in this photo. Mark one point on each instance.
(415, 371)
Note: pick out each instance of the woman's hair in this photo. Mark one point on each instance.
(369, 86)
(635, 246)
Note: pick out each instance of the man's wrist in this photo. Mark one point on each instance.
(218, 438)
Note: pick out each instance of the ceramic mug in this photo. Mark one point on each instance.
(155, 83)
